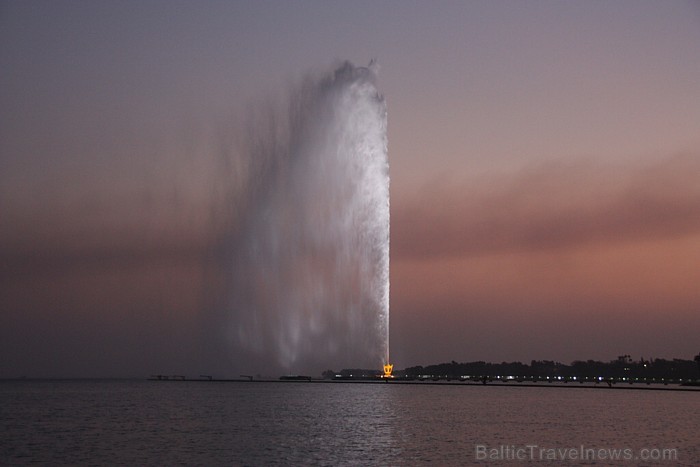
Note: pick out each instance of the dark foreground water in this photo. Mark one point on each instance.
(190, 423)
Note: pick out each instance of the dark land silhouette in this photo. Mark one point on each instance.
(622, 369)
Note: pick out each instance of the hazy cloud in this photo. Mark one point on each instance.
(550, 206)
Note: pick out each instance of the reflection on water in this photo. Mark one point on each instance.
(328, 424)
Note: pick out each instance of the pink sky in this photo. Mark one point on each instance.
(545, 169)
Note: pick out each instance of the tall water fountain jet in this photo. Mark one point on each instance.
(309, 245)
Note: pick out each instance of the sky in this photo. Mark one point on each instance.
(544, 160)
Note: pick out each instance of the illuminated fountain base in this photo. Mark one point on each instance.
(388, 369)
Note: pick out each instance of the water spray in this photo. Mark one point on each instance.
(309, 262)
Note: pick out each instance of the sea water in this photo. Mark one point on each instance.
(258, 423)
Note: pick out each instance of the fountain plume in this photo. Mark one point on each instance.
(308, 250)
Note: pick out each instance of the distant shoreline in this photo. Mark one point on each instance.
(452, 383)
(621, 386)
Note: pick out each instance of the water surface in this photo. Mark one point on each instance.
(193, 423)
